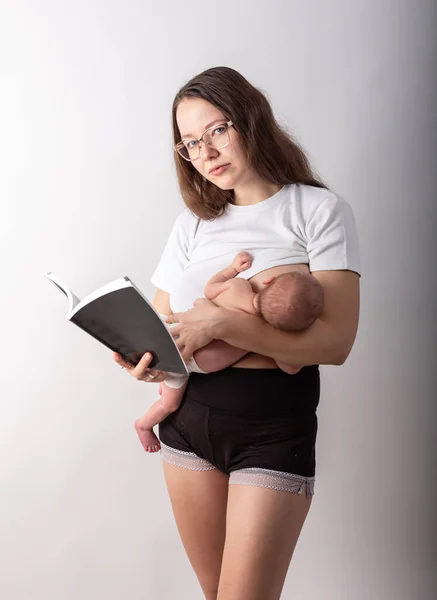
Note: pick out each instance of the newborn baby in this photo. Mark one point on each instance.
(291, 302)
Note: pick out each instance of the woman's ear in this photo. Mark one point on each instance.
(269, 280)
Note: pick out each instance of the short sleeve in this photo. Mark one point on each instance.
(332, 239)
(174, 257)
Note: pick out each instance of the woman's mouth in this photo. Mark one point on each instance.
(219, 170)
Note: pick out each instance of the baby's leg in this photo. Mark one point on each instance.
(290, 369)
(169, 402)
(217, 355)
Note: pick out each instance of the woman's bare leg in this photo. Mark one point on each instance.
(199, 500)
(263, 527)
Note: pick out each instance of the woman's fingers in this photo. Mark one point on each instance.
(141, 372)
(173, 318)
(175, 331)
(185, 350)
(141, 369)
(120, 360)
(179, 341)
(186, 354)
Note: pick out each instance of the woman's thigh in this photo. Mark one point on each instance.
(199, 501)
(262, 529)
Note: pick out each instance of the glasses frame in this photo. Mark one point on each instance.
(201, 140)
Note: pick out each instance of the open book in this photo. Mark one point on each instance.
(119, 316)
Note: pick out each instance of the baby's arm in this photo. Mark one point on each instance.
(220, 281)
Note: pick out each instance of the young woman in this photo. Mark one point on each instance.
(239, 453)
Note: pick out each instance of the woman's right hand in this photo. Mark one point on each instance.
(141, 372)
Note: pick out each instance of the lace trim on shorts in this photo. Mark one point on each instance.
(275, 480)
(188, 460)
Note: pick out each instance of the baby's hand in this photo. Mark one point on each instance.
(242, 261)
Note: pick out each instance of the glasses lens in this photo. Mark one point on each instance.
(189, 150)
(218, 137)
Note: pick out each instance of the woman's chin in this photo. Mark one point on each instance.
(225, 184)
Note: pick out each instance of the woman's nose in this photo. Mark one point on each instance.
(208, 151)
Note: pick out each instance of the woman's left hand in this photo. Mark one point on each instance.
(195, 327)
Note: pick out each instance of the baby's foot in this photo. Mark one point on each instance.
(242, 261)
(148, 439)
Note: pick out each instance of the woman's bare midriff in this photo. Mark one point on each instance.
(258, 361)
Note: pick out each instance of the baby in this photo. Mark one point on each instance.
(291, 301)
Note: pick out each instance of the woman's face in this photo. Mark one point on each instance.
(193, 117)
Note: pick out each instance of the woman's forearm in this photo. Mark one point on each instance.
(319, 344)
(328, 341)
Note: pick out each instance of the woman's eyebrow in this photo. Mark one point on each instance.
(206, 127)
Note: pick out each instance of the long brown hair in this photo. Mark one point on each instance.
(269, 149)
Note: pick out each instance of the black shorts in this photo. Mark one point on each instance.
(258, 426)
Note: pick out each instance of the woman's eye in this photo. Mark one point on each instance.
(191, 144)
(219, 130)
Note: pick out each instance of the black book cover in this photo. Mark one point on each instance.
(119, 316)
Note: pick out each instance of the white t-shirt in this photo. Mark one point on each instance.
(298, 224)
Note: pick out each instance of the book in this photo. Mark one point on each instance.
(119, 316)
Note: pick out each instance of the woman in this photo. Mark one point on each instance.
(247, 186)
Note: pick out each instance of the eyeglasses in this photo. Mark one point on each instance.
(217, 137)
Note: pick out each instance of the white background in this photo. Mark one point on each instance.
(88, 190)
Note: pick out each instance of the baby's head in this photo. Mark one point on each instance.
(293, 301)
